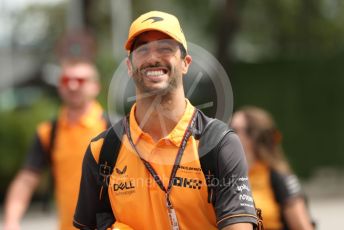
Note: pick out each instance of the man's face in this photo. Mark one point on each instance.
(156, 64)
(78, 84)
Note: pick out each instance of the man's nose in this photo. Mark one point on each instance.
(153, 55)
(73, 85)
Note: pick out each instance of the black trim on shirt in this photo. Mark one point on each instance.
(37, 158)
(86, 209)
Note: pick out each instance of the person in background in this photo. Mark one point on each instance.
(275, 188)
(60, 145)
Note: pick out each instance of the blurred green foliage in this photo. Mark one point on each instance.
(305, 98)
(17, 129)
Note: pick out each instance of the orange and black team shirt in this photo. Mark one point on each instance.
(137, 201)
(70, 143)
(272, 191)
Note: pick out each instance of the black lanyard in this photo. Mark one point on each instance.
(187, 134)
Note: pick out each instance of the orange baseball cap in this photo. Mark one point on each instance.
(156, 20)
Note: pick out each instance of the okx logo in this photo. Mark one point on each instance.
(187, 183)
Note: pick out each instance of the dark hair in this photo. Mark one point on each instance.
(183, 52)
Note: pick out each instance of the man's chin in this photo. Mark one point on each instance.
(156, 90)
(75, 104)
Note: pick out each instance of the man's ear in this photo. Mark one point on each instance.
(130, 67)
(186, 63)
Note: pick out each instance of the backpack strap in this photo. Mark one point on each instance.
(52, 137)
(107, 161)
(109, 151)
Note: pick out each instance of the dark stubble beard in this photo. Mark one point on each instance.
(139, 80)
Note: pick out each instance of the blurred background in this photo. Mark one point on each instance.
(285, 56)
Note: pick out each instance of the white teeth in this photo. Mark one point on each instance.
(155, 73)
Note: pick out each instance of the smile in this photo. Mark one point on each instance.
(155, 72)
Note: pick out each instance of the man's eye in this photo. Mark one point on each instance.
(165, 49)
(141, 49)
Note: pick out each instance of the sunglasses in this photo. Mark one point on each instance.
(66, 80)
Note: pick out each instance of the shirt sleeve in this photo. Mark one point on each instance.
(37, 158)
(286, 186)
(234, 202)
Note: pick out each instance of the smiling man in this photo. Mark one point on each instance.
(160, 180)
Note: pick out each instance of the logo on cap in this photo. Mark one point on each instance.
(155, 19)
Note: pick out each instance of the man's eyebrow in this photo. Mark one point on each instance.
(166, 41)
(139, 42)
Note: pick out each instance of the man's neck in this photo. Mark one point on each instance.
(74, 114)
(158, 115)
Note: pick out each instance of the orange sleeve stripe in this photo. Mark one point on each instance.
(236, 215)
(79, 223)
